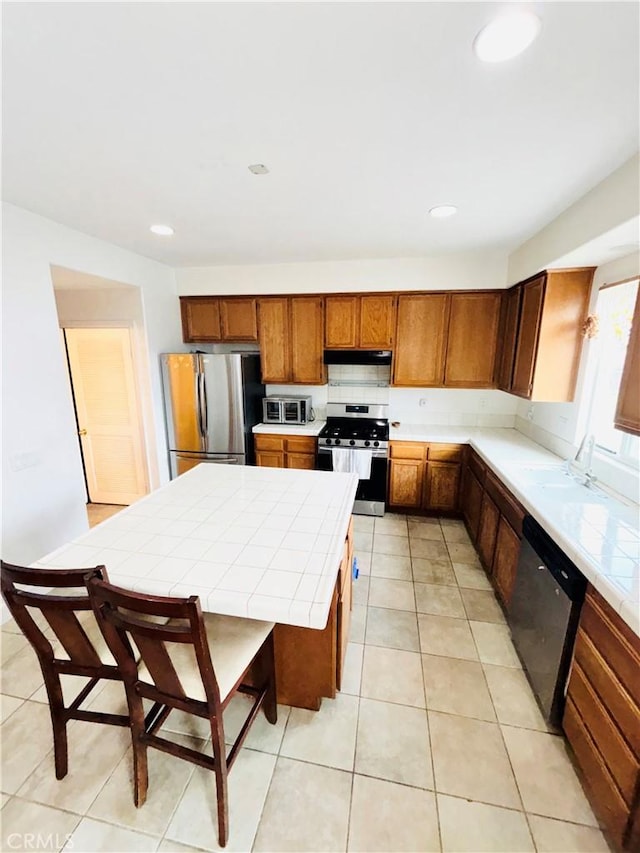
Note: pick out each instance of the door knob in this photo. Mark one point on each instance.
(82, 432)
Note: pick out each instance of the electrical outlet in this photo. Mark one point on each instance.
(530, 411)
(482, 402)
(28, 459)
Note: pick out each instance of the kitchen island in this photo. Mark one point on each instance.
(261, 543)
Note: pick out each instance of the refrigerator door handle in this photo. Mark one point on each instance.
(198, 381)
(204, 409)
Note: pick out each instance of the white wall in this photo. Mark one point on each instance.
(611, 203)
(460, 271)
(43, 491)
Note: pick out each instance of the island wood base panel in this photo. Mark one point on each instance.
(310, 662)
(306, 662)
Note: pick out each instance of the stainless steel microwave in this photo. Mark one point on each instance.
(286, 410)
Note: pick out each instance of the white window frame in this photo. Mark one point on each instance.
(620, 470)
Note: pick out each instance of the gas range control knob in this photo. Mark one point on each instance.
(337, 441)
(327, 441)
(376, 444)
(367, 443)
(352, 442)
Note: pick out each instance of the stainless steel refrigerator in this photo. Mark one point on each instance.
(211, 404)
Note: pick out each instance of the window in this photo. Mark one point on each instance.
(614, 310)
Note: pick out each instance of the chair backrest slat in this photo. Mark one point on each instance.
(160, 665)
(72, 636)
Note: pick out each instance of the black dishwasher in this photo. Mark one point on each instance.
(543, 616)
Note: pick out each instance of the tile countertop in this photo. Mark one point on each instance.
(600, 533)
(311, 429)
(259, 542)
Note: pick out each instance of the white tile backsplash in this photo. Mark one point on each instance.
(354, 393)
(452, 407)
(441, 407)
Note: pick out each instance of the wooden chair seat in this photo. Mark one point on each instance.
(232, 643)
(194, 663)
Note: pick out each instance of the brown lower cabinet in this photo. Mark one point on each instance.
(602, 718)
(494, 520)
(424, 476)
(285, 451)
(309, 661)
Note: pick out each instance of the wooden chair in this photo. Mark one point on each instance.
(79, 648)
(195, 663)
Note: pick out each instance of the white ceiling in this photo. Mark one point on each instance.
(118, 115)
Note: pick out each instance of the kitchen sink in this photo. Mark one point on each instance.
(543, 475)
(554, 483)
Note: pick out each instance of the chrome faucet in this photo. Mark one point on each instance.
(585, 475)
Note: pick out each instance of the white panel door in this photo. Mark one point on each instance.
(109, 424)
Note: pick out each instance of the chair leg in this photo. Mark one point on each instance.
(140, 762)
(220, 769)
(270, 704)
(58, 723)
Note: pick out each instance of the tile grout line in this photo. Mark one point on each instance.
(502, 739)
(353, 776)
(426, 709)
(275, 767)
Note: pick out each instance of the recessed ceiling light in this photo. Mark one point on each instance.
(507, 36)
(162, 230)
(443, 210)
(258, 169)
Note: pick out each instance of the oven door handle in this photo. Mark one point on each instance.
(376, 454)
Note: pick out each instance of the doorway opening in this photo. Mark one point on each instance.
(109, 422)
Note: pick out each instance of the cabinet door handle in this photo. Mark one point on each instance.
(82, 432)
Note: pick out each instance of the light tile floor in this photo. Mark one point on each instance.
(435, 742)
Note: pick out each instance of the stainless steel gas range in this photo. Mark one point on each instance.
(362, 429)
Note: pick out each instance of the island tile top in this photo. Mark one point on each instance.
(265, 543)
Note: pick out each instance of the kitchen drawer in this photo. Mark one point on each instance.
(407, 450)
(605, 796)
(615, 641)
(477, 466)
(445, 452)
(505, 501)
(301, 444)
(621, 762)
(269, 442)
(619, 704)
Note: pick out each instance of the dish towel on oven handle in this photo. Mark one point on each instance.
(348, 461)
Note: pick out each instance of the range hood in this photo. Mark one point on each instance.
(357, 356)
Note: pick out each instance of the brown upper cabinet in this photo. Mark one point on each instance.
(218, 319)
(548, 341)
(291, 340)
(360, 322)
(447, 339)
(508, 332)
(472, 340)
(239, 319)
(421, 336)
(627, 417)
